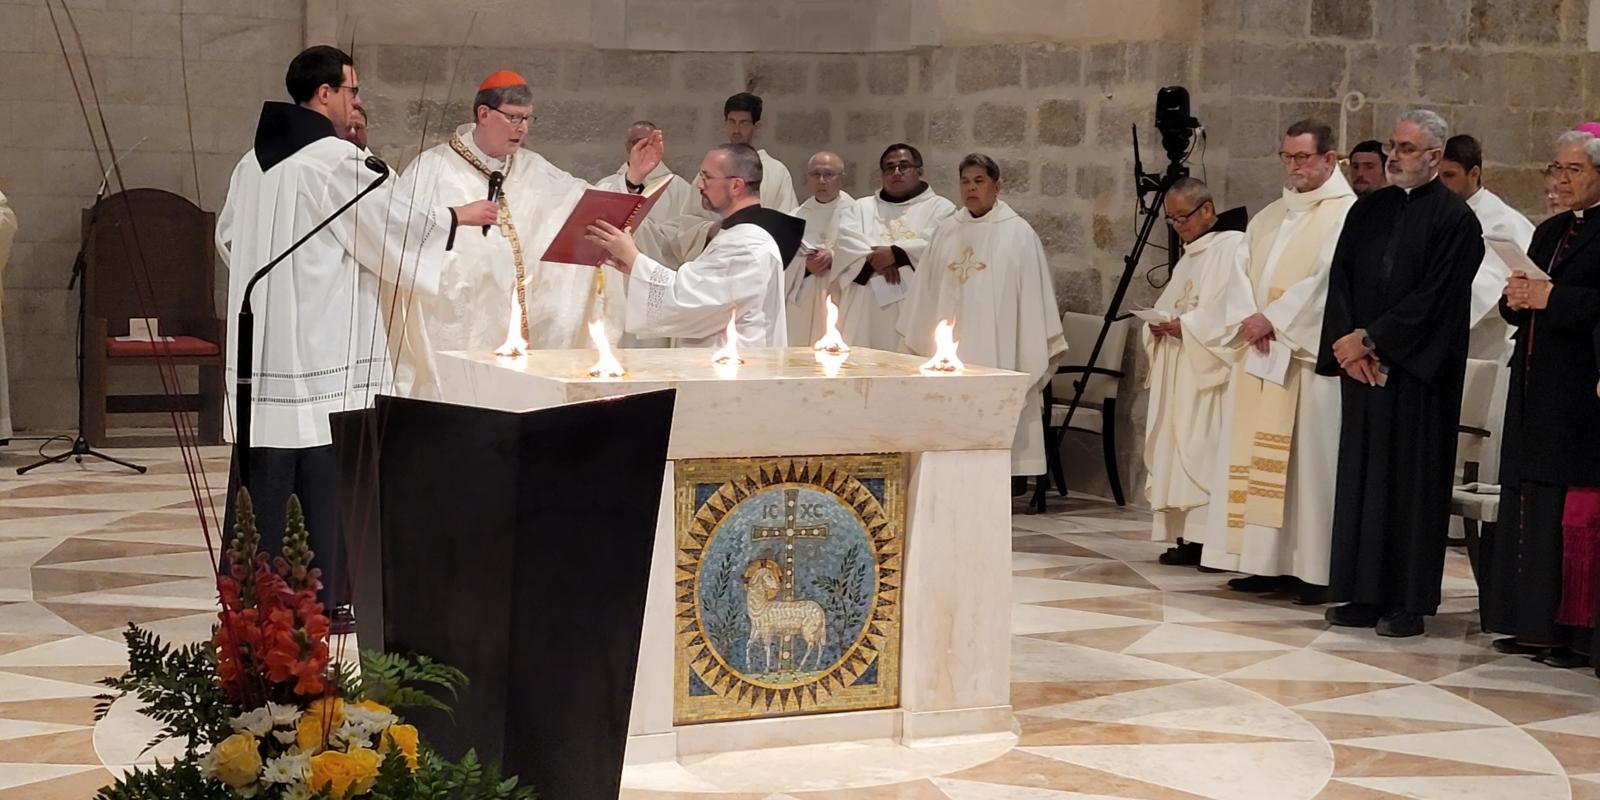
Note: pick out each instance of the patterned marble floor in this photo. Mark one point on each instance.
(1130, 679)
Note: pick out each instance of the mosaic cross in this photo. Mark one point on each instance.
(791, 532)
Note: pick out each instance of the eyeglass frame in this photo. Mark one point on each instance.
(1568, 171)
(1298, 159)
(1391, 149)
(516, 119)
(898, 166)
(1176, 220)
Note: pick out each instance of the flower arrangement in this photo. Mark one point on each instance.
(266, 712)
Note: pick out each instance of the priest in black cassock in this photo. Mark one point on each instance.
(1395, 329)
(1536, 569)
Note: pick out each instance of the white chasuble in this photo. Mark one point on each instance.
(320, 343)
(741, 270)
(908, 225)
(473, 308)
(777, 185)
(1187, 381)
(1490, 336)
(835, 227)
(8, 231)
(1298, 234)
(989, 276)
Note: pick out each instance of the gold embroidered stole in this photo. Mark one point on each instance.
(507, 227)
(1264, 412)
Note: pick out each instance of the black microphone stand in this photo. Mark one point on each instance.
(245, 346)
(80, 264)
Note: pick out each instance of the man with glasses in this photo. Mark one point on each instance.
(1279, 442)
(1395, 336)
(1539, 567)
(740, 274)
(320, 347)
(898, 222)
(1188, 371)
(489, 270)
(741, 120)
(834, 244)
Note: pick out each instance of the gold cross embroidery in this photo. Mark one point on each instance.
(967, 265)
(1188, 301)
(895, 230)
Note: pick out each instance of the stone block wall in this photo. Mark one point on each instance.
(235, 53)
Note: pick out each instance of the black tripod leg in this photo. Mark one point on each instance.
(44, 463)
(119, 462)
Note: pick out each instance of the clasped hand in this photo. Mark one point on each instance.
(1525, 294)
(882, 262)
(1161, 329)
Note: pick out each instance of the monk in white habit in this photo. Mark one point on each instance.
(741, 120)
(1490, 336)
(1188, 379)
(898, 221)
(833, 245)
(1280, 442)
(8, 231)
(320, 346)
(738, 277)
(486, 271)
(986, 272)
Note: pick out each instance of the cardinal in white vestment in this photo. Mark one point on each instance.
(833, 245)
(1280, 443)
(986, 272)
(898, 222)
(1490, 336)
(1188, 378)
(319, 346)
(472, 310)
(8, 231)
(739, 276)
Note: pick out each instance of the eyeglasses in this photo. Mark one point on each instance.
(1568, 171)
(705, 177)
(823, 175)
(899, 166)
(1298, 159)
(1179, 219)
(515, 119)
(1392, 148)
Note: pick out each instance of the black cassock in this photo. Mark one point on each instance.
(1552, 437)
(1402, 271)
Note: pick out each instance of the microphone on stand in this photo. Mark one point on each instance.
(79, 263)
(495, 181)
(245, 346)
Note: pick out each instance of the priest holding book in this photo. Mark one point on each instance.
(739, 276)
(492, 268)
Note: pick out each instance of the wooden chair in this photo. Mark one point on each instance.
(151, 253)
(1096, 412)
(1476, 503)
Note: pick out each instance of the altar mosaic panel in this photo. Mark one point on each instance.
(788, 585)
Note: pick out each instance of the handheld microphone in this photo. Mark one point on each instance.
(496, 179)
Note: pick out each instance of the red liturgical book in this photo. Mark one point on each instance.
(618, 208)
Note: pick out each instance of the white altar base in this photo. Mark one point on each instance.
(956, 591)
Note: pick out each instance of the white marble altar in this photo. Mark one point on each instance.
(957, 430)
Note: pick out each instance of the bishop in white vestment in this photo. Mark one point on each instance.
(739, 276)
(1188, 378)
(1280, 443)
(986, 272)
(484, 272)
(833, 245)
(898, 222)
(1489, 338)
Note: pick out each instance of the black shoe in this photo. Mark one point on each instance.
(1353, 615)
(1019, 485)
(1310, 594)
(1511, 647)
(1258, 584)
(1562, 658)
(342, 622)
(1182, 554)
(1400, 624)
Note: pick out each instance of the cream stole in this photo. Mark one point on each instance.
(1264, 412)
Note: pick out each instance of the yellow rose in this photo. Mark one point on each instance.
(237, 760)
(403, 737)
(374, 706)
(320, 719)
(344, 775)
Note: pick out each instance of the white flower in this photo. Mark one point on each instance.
(362, 725)
(288, 768)
(208, 764)
(284, 715)
(297, 791)
(256, 723)
(286, 737)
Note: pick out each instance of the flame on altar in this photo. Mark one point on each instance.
(831, 341)
(831, 362)
(514, 345)
(607, 366)
(728, 354)
(944, 355)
